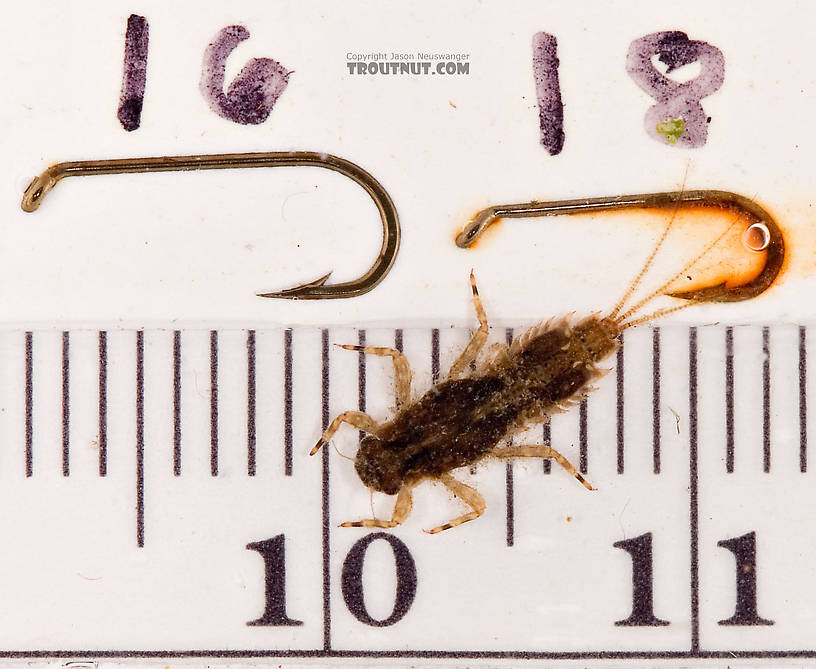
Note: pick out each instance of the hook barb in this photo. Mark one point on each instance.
(314, 290)
(306, 291)
(753, 213)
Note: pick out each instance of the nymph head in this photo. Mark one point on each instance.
(377, 466)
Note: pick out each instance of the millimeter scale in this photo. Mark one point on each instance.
(160, 502)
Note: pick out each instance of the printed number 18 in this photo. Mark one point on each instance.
(677, 119)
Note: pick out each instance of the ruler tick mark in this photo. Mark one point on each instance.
(251, 436)
(729, 400)
(324, 355)
(103, 403)
(802, 399)
(582, 437)
(66, 405)
(177, 403)
(511, 517)
(693, 501)
(508, 475)
(361, 376)
(140, 438)
(435, 354)
(398, 346)
(29, 403)
(619, 389)
(656, 399)
(324, 389)
(214, 403)
(287, 402)
(546, 436)
(766, 399)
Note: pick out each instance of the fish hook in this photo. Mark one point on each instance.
(313, 290)
(773, 242)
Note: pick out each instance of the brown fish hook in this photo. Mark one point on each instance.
(773, 242)
(313, 290)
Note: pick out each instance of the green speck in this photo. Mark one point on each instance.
(672, 129)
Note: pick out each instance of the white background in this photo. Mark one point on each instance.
(192, 249)
(196, 247)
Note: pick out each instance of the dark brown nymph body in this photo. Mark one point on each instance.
(460, 421)
(474, 411)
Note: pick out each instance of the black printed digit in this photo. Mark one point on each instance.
(134, 76)
(548, 92)
(352, 580)
(640, 550)
(744, 550)
(678, 118)
(252, 94)
(273, 553)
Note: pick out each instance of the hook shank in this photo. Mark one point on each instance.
(41, 185)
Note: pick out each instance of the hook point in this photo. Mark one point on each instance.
(303, 291)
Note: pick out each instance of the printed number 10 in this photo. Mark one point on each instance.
(273, 553)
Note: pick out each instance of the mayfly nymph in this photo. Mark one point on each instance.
(484, 401)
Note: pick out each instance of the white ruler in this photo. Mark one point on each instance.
(159, 501)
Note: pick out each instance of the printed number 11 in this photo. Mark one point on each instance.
(744, 550)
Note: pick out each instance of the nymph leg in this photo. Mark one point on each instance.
(402, 370)
(402, 509)
(356, 419)
(538, 451)
(468, 495)
(479, 337)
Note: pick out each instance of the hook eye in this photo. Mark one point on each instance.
(757, 237)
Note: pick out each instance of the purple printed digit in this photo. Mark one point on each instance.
(135, 73)
(548, 92)
(678, 117)
(252, 94)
